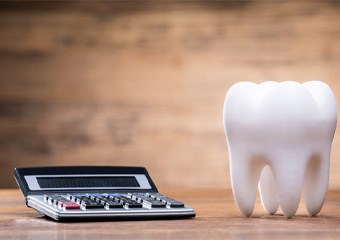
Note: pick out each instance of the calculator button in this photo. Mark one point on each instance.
(147, 199)
(128, 202)
(46, 198)
(75, 195)
(157, 196)
(113, 204)
(69, 205)
(102, 199)
(80, 199)
(88, 200)
(116, 199)
(112, 196)
(54, 199)
(124, 199)
(137, 196)
(133, 205)
(121, 199)
(154, 204)
(91, 205)
(94, 196)
(50, 200)
(175, 204)
(171, 203)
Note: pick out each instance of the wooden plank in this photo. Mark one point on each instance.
(126, 83)
(217, 218)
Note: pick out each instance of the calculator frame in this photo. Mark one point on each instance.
(34, 197)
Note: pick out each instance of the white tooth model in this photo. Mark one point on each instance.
(280, 134)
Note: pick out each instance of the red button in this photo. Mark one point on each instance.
(69, 205)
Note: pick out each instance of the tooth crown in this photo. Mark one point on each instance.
(279, 135)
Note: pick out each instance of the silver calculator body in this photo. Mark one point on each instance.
(93, 192)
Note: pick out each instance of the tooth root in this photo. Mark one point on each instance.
(289, 178)
(245, 174)
(268, 192)
(316, 183)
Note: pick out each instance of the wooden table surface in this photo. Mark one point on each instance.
(142, 83)
(217, 218)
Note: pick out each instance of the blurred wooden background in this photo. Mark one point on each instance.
(131, 83)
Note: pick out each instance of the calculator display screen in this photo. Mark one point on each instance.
(87, 182)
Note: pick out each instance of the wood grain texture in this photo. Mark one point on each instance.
(130, 83)
(217, 218)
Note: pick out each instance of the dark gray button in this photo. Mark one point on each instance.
(113, 204)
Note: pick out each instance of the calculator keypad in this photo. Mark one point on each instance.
(109, 201)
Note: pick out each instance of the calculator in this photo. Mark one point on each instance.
(92, 192)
